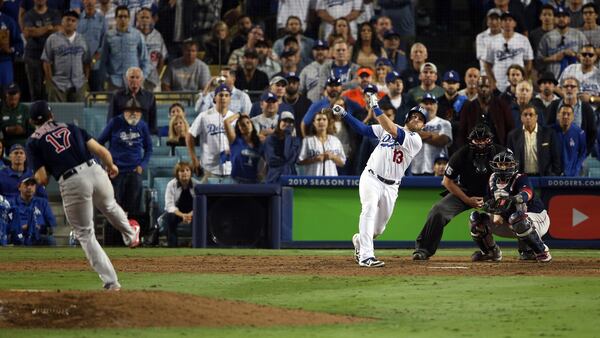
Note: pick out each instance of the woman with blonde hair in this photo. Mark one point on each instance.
(322, 152)
(218, 47)
(178, 128)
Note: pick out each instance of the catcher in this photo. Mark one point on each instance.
(510, 210)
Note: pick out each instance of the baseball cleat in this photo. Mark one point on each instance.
(545, 256)
(356, 244)
(419, 256)
(135, 242)
(112, 287)
(494, 255)
(527, 255)
(371, 262)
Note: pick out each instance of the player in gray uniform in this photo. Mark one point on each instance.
(66, 152)
(379, 181)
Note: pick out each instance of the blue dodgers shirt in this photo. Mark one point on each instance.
(130, 146)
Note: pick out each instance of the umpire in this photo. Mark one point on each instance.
(465, 179)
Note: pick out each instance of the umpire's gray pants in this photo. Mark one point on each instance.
(80, 193)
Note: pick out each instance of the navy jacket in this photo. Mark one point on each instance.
(130, 146)
(281, 156)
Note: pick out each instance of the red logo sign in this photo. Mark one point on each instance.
(574, 217)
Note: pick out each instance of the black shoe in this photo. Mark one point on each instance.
(494, 255)
(420, 256)
(527, 255)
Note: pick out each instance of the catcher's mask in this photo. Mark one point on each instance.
(480, 139)
(504, 165)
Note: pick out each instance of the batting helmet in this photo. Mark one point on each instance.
(416, 110)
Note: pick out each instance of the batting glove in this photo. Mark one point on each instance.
(372, 101)
(339, 111)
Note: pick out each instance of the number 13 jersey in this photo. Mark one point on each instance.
(392, 156)
(58, 147)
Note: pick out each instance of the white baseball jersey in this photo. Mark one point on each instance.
(391, 159)
(588, 82)
(311, 147)
(262, 122)
(481, 46)
(423, 161)
(338, 9)
(208, 127)
(501, 54)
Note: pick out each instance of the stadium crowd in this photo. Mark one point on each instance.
(277, 69)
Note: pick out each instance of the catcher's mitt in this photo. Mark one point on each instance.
(498, 206)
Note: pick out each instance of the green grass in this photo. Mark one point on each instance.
(404, 306)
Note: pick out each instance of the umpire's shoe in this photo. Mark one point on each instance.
(494, 255)
(356, 243)
(371, 262)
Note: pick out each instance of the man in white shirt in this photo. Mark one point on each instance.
(587, 74)
(483, 38)
(214, 166)
(240, 101)
(329, 10)
(266, 122)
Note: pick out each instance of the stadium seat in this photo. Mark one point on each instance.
(160, 184)
(594, 172)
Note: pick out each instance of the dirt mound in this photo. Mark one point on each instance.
(128, 309)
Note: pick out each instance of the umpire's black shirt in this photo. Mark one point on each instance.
(461, 169)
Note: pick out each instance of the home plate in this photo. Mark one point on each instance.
(448, 267)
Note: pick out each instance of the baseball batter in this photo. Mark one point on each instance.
(379, 182)
(66, 152)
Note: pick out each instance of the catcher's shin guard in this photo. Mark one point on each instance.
(481, 232)
(523, 227)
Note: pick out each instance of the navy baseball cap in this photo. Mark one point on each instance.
(39, 110)
(560, 11)
(12, 89)
(442, 157)
(451, 76)
(334, 81)
(292, 76)
(72, 14)
(16, 146)
(383, 62)
(222, 88)
(288, 52)
(320, 44)
(508, 15)
(268, 97)
(370, 88)
(392, 76)
(28, 180)
(429, 97)
(389, 34)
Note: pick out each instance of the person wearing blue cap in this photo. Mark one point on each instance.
(11, 176)
(450, 104)
(294, 98)
(395, 97)
(382, 67)
(266, 122)
(436, 136)
(309, 76)
(14, 47)
(391, 45)
(439, 165)
(214, 165)
(294, 29)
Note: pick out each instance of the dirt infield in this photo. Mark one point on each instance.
(129, 309)
(326, 266)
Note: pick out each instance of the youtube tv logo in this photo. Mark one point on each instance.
(574, 217)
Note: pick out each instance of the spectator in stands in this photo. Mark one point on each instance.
(131, 149)
(66, 62)
(450, 105)
(35, 220)
(186, 73)
(254, 35)
(514, 74)
(38, 23)
(12, 175)
(428, 77)
(418, 57)
(248, 77)
(157, 49)
(535, 146)
(4, 162)
(93, 27)
(175, 109)
(394, 98)
(559, 47)
(321, 151)
(436, 136)
(179, 201)
(14, 123)
(483, 39)
(299, 102)
(535, 36)
(178, 129)
(439, 166)
(330, 11)
(309, 76)
(281, 149)
(547, 84)
(11, 45)
(367, 48)
(587, 74)
(218, 47)
(572, 141)
(357, 94)
(383, 24)
(382, 67)
(268, 62)
(590, 25)
(240, 101)
(293, 9)
(245, 148)
(584, 113)
(294, 29)
(516, 10)
(505, 50)
(116, 59)
(107, 9)
(290, 59)
(391, 46)
(240, 38)
(208, 127)
(266, 122)
(403, 18)
(489, 110)
(134, 89)
(134, 6)
(523, 97)
(471, 78)
(277, 86)
(341, 31)
(574, 9)
(340, 67)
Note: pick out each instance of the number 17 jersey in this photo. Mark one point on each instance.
(58, 147)
(392, 156)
